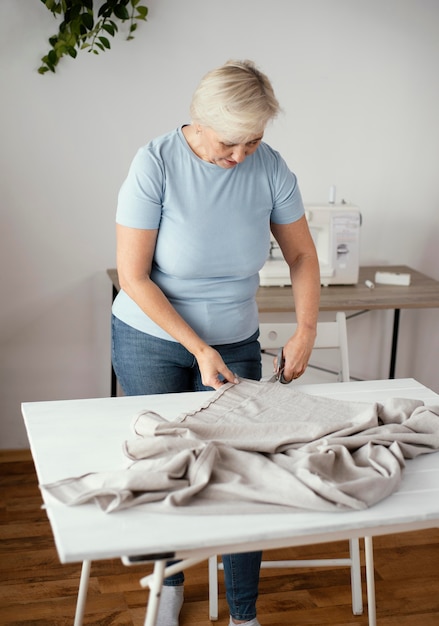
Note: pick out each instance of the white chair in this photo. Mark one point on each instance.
(329, 335)
(273, 336)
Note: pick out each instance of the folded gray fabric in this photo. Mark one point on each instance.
(259, 443)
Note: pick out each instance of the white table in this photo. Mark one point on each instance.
(72, 437)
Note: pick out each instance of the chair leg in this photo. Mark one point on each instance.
(82, 593)
(356, 587)
(213, 588)
(154, 593)
(357, 593)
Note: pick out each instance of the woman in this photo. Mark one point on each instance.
(193, 230)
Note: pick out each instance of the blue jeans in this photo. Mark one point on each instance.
(147, 365)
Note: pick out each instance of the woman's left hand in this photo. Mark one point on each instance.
(296, 353)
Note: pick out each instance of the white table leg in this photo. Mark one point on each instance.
(370, 581)
(356, 590)
(213, 588)
(82, 593)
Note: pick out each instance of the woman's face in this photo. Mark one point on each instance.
(222, 152)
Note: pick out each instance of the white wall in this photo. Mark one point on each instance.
(358, 83)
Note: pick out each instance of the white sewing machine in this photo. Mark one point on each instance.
(335, 229)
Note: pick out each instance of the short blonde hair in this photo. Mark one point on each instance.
(236, 100)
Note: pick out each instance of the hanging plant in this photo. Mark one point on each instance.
(84, 27)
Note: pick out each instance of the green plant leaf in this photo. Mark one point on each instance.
(52, 58)
(109, 28)
(105, 10)
(50, 4)
(104, 41)
(82, 26)
(121, 12)
(142, 12)
(87, 20)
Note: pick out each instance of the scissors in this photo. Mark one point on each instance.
(280, 364)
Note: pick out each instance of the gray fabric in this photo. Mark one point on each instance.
(262, 443)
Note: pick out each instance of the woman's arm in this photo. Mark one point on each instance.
(135, 252)
(299, 251)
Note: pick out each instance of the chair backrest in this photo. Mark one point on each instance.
(329, 335)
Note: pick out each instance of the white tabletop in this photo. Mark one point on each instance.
(73, 437)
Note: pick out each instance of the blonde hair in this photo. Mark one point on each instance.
(236, 100)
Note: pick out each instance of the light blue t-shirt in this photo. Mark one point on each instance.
(214, 233)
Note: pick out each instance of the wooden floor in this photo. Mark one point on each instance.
(36, 589)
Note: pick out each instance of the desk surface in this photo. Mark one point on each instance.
(423, 292)
(70, 438)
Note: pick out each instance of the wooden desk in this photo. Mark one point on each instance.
(422, 293)
(85, 533)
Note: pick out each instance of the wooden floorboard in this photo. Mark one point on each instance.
(36, 589)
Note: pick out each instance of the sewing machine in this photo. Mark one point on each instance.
(335, 229)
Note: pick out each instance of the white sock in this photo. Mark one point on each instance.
(252, 622)
(171, 601)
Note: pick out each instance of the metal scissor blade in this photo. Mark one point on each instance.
(280, 364)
